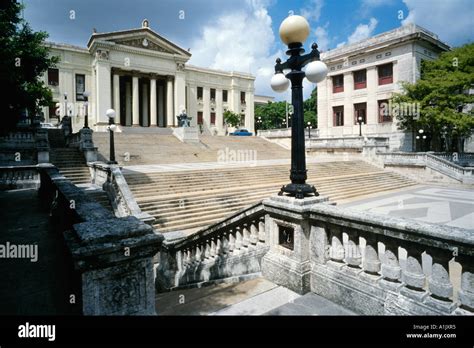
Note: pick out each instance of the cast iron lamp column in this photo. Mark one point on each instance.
(86, 109)
(293, 32)
(359, 121)
(111, 115)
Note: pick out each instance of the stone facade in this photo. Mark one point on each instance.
(147, 80)
(403, 49)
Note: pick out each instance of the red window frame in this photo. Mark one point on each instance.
(360, 109)
(385, 73)
(360, 79)
(384, 118)
(336, 117)
(338, 83)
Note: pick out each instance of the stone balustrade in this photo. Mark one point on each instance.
(372, 264)
(111, 257)
(112, 181)
(229, 250)
(275, 133)
(19, 177)
(84, 142)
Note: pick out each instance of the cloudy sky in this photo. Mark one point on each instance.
(242, 35)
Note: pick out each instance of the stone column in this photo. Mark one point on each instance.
(206, 110)
(161, 106)
(117, 98)
(169, 102)
(153, 111)
(128, 103)
(249, 113)
(179, 93)
(135, 105)
(372, 107)
(219, 112)
(145, 104)
(192, 105)
(103, 92)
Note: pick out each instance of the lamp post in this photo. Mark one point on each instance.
(359, 121)
(65, 107)
(86, 109)
(309, 130)
(420, 136)
(259, 122)
(111, 115)
(293, 32)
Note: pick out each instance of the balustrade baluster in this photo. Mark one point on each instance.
(231, 242)
(261, 231)
(391, 270)
(413, 275)
(336, 251)
(441, 289)
(371, 262)
(238, 241)
(245, 238)
(225, 243)
(353, 256)
(466, 293)
(213, 249)
(253, 234)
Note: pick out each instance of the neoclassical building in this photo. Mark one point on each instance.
(147, 80)
(363, 76)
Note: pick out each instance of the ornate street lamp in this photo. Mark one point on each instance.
(86, 109)
(293, 32)
(309, 130)
(111, 115)
(359, 121)
(65, 107)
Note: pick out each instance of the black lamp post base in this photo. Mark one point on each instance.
(298, 191)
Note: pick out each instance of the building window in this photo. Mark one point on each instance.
(53, 77)
(338, 84)
(385, 74)
(80, 86)
(338, 116)
(213, 94)
(360, 110)
(199, 120)
(52, 110)
(242, 97)
(360, 79)
(242, 119)
(213, 118)
(224, 96)
(384, 112)
(199, 92)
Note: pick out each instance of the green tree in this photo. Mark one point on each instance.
(232, 118)
(24, 60)
(441, 93)
(273, 114)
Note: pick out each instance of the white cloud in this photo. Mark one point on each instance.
(312, 11)
(240, 41)
(322, 37)
(363, 31)
(450, 20)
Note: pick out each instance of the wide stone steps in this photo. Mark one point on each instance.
(72, 164)
(195, 218)
(99, 196)
(188, 200)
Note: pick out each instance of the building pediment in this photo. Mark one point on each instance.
(142, 38)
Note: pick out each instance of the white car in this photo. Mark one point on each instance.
(48, 125)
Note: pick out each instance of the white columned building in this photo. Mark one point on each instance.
(146, 78)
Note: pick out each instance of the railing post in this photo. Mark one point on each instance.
(466, 293)
(353, 256)
(336, 251)
(371, 262)
(413, 275)
(441, 289)
(391, 270)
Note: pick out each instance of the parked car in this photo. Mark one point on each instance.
(241, 132)
(48, 125)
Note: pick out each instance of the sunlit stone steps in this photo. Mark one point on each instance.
(189, 200)
(71, 163)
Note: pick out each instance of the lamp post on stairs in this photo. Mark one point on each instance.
(111, 115)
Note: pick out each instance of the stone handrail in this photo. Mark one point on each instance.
(112, 181)
(380, 273)
(232, 248)
(435, 162)
(275, 133)
(19, 177)
(84, 142)
(112, 256)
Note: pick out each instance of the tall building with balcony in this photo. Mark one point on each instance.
(147, 80)
(362, 78)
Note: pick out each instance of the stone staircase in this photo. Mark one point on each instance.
(71, 163)
(187, 200)
(100, 196)
(150, 148)
(56, 138)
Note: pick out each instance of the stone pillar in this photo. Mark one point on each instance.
(161, 106)
(219, 112)
(145, 104)
(128, 103)
(135, 101)
(372, 107)
(179, 93)
(103, 92)
(284, 266)
(115, 280)
(169, 102)
(206, 110)
(249, 112)
(153, 111)
(117, 98)
(192, 105)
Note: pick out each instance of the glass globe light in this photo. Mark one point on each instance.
(316, 71)
(279, 83)
(294, 29)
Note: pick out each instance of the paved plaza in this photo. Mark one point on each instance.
(435, 204)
